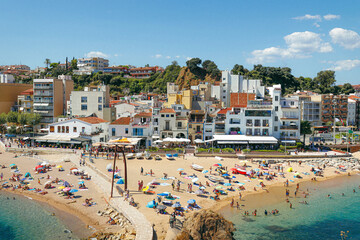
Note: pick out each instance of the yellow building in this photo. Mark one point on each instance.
(9, 93)
(184, 97)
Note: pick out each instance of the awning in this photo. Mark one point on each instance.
(232, 142)
(247, 139)
(41, 104)
(288, 141)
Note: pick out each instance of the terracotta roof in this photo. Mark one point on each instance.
(92, 120)
(224, 111)
(354, 97)
(121, 121)
(167, 110)
(143, 114)
(27, 92)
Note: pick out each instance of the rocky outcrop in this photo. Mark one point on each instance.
(186, 78)
(206, 224)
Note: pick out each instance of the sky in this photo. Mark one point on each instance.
(308, 36)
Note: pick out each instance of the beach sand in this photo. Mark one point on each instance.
(170, 167)
(71, 211)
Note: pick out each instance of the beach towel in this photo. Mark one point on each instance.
(164, 184)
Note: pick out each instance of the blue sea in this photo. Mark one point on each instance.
(322, 219)
(25, 219)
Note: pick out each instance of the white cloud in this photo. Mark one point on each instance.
(167, 57)
(308, 17)
(345, 65)
(96, 54)
(331, 17)
(116, 55)
(158, 56)
(299, 45)
(316, 25)
(346, 38)
(188, 58)
(177, 56)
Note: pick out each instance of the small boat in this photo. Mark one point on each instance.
(170, 157)
(215, 179)
(157, 157)
(130, 156)
(197, 167)
(148, 156)
(139, 156)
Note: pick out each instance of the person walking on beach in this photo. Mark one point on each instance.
(141, 171)
(240, 196)
(232, 203)
(237, 205)
(2, 175)
(290, 205)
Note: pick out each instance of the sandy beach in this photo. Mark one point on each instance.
(273, 191)
(170, 167)
(80, 219)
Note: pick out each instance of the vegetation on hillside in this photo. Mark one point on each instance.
(16, 121)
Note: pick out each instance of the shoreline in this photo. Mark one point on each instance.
(223, 205)
(73, 219)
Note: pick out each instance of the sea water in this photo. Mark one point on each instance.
(322, 219)
(24, 218)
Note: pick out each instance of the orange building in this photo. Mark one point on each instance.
(241, 99)
(9, 93)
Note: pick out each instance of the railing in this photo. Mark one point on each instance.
(289, 127)
(43, 87)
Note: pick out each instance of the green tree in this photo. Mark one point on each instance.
(3, 118)
(74, 64)
(33, 119)
(239, 70)
(22, 120)
(325, 81)
(211, 68)
(305, 128)
(12, 117)
(193, 64)
(347, 88)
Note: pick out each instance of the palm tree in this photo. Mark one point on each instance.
(305, 128)
(47, 62)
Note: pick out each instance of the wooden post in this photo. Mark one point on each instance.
(113, 175)
(125, 168)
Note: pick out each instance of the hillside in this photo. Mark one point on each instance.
(186, 78)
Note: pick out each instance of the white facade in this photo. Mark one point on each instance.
(125, 109)
(78, 128)
(7, 78)
(351, 115)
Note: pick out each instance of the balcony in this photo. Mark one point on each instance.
(167, 129)
(46, 94)
(289, 127)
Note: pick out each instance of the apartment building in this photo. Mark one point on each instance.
(90, 65)
(114, 70)
(50, 97)
(25, 101)
(7, 78)
(93, 100)
(333, 105)
(144, 72)
(9, 93)
(121, 127)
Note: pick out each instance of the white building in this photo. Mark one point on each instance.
(93, 100)
(7, 78)
(90, 65)
(70, 131)
(125, 109)
(120, 128)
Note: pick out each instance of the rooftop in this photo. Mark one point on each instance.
(167, 110)
(92, 120)
(121, 121)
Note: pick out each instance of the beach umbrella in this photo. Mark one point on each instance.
(48, 182)
(12, 165)
(195, 180)
(217, 165)
(191, 201)
(290, 169)
(73, 168)
(233, 177)
(151, 204)
(227, 184)
(205, 171)
(67, 189)
(180, 169)
(59, 166)
(219, 188)
(256, 170)
(161, 207)
(241, 184)
(73, 190)
(296, 174)
(202, 187)
(176, 205)
(81, 182)
(109, 166)
(146, 188)
(233, 169)
(61, 187)
(120, 181)
(225, 175)
(66, 184)
(265, 173)
(44, 163)
(27, 174)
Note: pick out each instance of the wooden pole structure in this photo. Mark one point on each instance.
(113, 175)
(125, 168)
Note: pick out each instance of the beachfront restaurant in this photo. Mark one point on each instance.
(61, 140)
(243, 142)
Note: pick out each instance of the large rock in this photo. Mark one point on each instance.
(206, 224)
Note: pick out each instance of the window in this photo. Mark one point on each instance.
(83, 107)
(275, 129)
(265, 123)
(276, 98)
(257, 123)
(99, 99)
(276, 118)
(167, 115)
(276, 108)
(100, 108)
(59, 129)
(83, 129)
(52, 129)
(126, 131)
(292, 103)
(162, 115)
(63, 129)
(67, 129)
(265, 132)
(74, 129)
(172, 115)
(257, 132)
(113, 132)
(223, 96)
(179, 124)
(84, 99)
(167, 125)
(248, 131)
(249, 122)
(198, 129)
